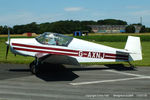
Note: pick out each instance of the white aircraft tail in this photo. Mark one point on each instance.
(133, 46)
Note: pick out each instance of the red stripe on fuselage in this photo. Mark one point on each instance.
(29, 50)
(48, 48)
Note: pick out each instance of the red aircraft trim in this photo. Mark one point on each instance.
(29, 50)
(48, 48)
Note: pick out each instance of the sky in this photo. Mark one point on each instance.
(18, 12)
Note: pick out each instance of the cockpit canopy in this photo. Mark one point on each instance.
(50, 38)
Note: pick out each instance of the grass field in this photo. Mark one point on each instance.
(117, 44)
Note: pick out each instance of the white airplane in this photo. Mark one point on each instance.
(60, 49)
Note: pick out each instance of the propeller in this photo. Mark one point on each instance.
(8, 43)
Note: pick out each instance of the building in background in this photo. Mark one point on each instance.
(137, 28)
(112, 28)
(80, 33)
(29, 34)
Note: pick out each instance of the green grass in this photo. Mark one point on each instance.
(112, 38)
(26, 60)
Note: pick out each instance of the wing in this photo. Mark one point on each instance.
(57, 59)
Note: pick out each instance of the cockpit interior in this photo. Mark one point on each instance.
(49, 38)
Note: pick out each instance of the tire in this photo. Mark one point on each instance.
(34, 68)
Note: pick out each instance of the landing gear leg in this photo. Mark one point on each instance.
(34, 66)
(132, 66)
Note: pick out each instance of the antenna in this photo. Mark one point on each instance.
(8, 34)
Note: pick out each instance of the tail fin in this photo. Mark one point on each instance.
(133, 45)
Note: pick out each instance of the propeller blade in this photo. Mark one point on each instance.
(7, 51)
(8, 43)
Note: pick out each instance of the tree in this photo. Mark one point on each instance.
(130, 29)
(5, 30)
(19, 29)
(147, 30)
(68, 26)
(32, 27)
(143, 29)
(1, 29)
(111, 22)
(88, 22)
(137, 24)
(44, 27)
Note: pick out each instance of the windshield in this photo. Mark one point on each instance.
(54, 39)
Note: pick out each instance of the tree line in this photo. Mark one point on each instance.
(64, 27)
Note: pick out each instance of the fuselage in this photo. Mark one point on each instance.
(82, 50)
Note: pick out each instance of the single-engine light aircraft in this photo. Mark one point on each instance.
(59, 49)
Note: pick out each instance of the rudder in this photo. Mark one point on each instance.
(133, 46)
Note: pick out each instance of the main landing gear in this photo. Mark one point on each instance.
(34, 66)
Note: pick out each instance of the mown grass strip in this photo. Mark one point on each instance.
(112, 38)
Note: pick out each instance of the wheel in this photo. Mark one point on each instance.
(34, 68)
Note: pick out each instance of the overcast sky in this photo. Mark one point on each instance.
(16, 12)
